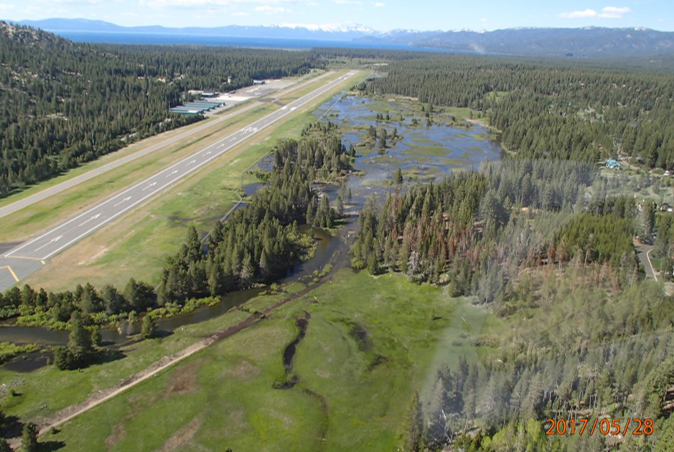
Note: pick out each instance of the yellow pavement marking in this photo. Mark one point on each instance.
(27, 258)
(16, 278)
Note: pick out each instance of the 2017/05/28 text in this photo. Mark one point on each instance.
(599, 426)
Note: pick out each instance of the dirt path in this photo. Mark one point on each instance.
(101, 397)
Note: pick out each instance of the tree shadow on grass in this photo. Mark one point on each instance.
(12, 427)
(49, 446)
(161, 334)
(107, 356)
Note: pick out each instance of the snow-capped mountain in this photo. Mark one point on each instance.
(330, 28)
(587, 41)
(336, 32)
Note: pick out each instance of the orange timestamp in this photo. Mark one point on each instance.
(598, 426)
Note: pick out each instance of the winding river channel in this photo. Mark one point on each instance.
(423, 154)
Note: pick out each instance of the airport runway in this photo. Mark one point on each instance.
(66, 234)
(65, 185)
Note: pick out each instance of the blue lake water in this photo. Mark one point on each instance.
(229, 41)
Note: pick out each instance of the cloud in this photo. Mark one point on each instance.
(612, 12)
(379, 5)
(213, 3)
(74, 2)
(7, 7)
(267, 9)
(579, 14)
(348, 2)
(608, 12)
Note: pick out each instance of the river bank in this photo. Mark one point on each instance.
(34, 401)
(421, 153)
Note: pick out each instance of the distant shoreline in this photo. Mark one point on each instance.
(159, 38)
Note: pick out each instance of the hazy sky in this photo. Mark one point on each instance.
(377, 14)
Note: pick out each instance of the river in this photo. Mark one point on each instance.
(427, 153)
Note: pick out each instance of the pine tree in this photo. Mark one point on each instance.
(216, 279)
(29, 441)
(265, 270)
(79, 340)
(339, 207)
(311, 213)
(414, 426)
(139, 295)
(192, 247)
(4, 446)
(648, 220)
(149, 327)
(114, 301)
(398, 176)
(247, 271)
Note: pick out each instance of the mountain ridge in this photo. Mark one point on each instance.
(577, 42)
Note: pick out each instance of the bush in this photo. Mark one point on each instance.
(66, 359)
(149, 329)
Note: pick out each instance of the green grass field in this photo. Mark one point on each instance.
(352, 391)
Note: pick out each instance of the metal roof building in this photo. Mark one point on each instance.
(196, 107)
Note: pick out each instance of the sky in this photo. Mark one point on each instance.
(380, 15)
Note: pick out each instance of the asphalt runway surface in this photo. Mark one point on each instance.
(65, 185)
(29, 256)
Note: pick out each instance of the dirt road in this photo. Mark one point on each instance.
(101, 397)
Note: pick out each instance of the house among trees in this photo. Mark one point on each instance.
(613, 164)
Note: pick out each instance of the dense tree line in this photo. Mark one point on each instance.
(41, 307)
(477, 230)
(257, 243)
(65, 103)
(588, 336)
(569, 358)
(260, 242)
(547, 110)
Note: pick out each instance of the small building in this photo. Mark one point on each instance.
(666, 173)
(664, 207)
(208, 94)
(197, 107)
(259, 82)
(613, 164)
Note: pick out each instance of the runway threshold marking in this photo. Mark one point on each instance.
(16, 278)
(26, 258)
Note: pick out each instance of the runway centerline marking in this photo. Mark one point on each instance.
(122, 201)
(50, 242)
(90, 219)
